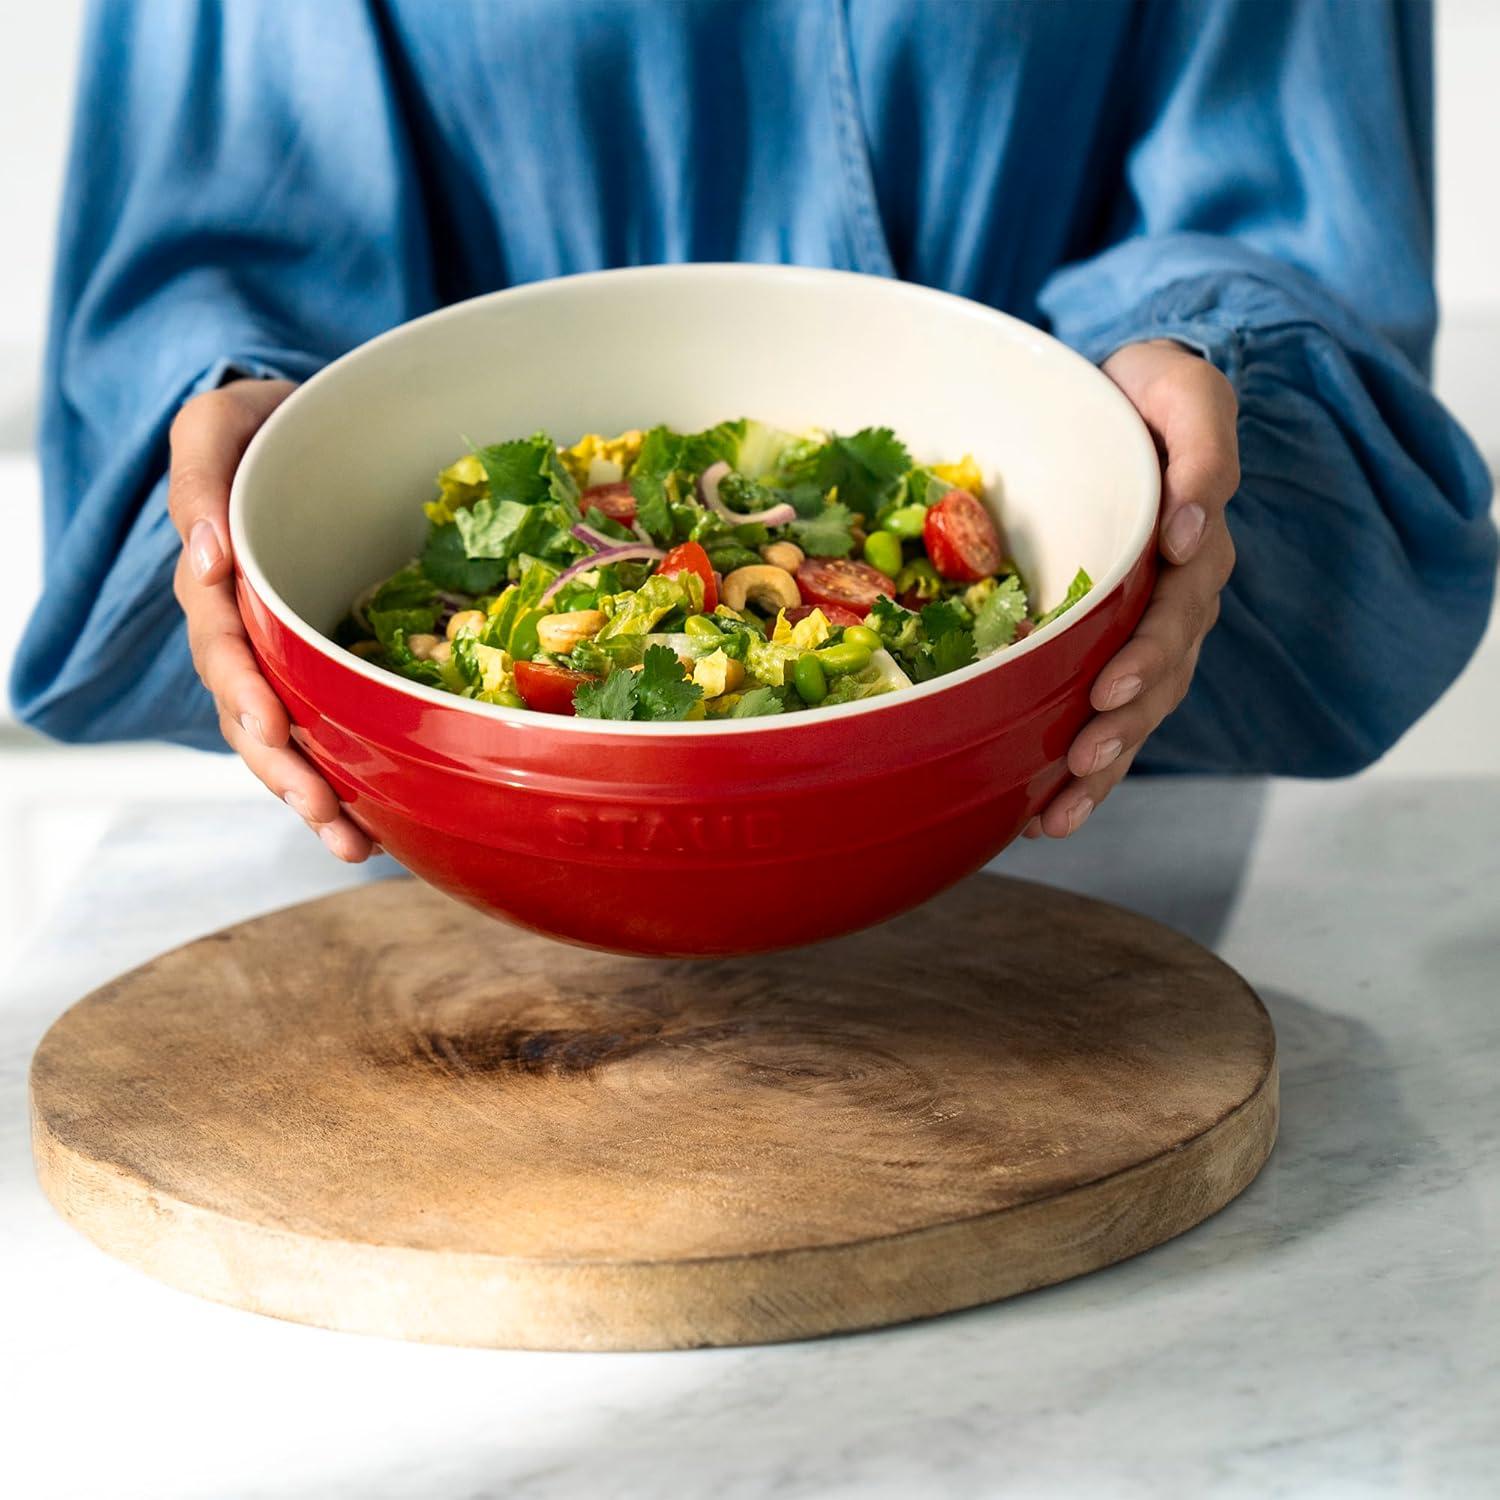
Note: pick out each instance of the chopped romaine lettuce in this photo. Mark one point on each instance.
(1080, 585)
(636, 613)
(388, 623)
(770, 662)
(460, 484)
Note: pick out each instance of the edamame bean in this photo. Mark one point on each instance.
(847, 656)
(862, 635)
(508, 699)
(704, 629)
(883, 551)
(808, 679)
(907, 521)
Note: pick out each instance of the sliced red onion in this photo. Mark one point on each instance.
(615, 552)
(595, 539)
(708, 489)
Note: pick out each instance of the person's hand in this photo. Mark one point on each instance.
(209, 437)
(1190, 408)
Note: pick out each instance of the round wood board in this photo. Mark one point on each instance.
(386, 1113)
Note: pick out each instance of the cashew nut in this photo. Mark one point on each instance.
(441, 652)
(770, 588)
(422, 645)
(561, 632)
(787, 556)
(466, 622)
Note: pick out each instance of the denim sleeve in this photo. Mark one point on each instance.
(1277, 217)
(237, 199)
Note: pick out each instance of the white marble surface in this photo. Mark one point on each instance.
(1334, 1332)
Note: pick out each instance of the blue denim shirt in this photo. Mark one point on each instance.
(261, 186)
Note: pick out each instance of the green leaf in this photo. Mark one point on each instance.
(614, 698)
(997, 617)
(493, 528)
(952, 651)
(400, 659)
(388, 623)
(900, 628)
(517, 471)
(589, 656)
(1080, 585)
(653, 483)
(411, 588)
(643, 610)
(942, 619)
(449, 566)
(533, 578)
(757, 703)
(560, 484)
(868, 468)
(608, 526)
(719, 444)
(662, 693)
(826, 534)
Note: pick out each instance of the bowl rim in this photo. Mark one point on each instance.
(1029, 336)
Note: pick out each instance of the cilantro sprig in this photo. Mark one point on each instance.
(658, 693)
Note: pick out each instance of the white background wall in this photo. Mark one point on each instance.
(53, 803)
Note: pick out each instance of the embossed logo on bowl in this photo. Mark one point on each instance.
(647, 830)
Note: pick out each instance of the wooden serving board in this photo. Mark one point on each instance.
(385, 1113)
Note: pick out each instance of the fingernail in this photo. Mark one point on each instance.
(251, 725)
(329, 834)
(1107, 754)
(1079, 812)
(1184, 531)
(299, 805)
(204, 549)
(1122, 690)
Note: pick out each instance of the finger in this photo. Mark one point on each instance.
(1182, 611)
(208, 439)
(289, 776)
(1111, 737)
(1073, 806)
(222, 657)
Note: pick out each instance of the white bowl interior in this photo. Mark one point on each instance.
(328, 498)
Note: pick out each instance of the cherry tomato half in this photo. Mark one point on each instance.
(961, 538)
(615, 501)
(689, 557)
(839, 582)
(835, 614)
(546, 688)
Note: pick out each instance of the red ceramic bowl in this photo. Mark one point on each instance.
(706, 838)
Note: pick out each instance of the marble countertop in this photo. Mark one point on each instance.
(1335, 1331)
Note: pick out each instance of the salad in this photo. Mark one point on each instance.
(660, 576)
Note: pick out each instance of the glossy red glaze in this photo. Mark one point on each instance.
(620, 841)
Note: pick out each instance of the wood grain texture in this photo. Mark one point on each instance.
(384, 1113)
